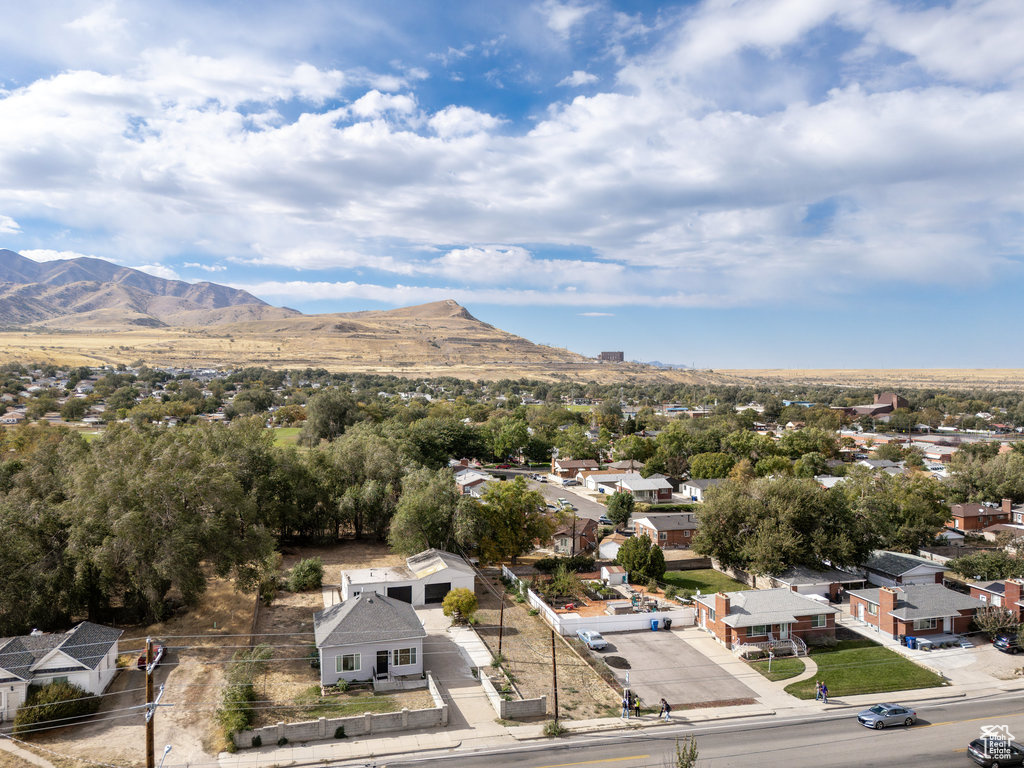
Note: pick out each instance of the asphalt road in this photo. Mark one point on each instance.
(585, 508)
(827, 740)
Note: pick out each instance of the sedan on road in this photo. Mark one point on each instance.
(997, 753)
(882, 715)
(593, 640)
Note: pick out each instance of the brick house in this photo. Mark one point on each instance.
(914, 609)
(670, 531)
(585, 533)
(977, 517)
(567, 468)
(889, 569)
(763, 616)
(1001, 594)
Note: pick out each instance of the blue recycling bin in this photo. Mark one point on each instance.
(654, 625)
(911, 642)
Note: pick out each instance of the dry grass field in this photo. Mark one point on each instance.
(913, 378)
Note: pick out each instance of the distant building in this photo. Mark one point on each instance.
(612, 357)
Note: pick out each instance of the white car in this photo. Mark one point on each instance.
(593, 639)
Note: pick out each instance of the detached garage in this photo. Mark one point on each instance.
(425, 579)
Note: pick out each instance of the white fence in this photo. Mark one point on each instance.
(568, 623)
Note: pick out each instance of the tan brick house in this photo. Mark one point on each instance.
(763, 616)
(914, 609)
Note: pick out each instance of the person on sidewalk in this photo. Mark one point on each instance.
(817, 690)
(661, 712)
(625, 706)
(668, 710)
(636, 706)
(824, 693)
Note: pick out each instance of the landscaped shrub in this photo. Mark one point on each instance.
(307, 574)
(282, 741)
(53, 702)
(257, 742)
(553, 728)
(671, 592)
(236, 711)
(339, 732)
(576, 563)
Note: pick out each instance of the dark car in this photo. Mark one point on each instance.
(995, 753)
(882, 715)
(1007, 644)
(605, 520)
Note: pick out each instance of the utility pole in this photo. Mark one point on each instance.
(150, 705)
(554, 673)
(501, 621)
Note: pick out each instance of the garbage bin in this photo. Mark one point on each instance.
(903, 639)
(654, 625)
(668, 623)
(911, 642)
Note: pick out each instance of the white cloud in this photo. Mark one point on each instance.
(562, 17)
(578, 78)
(597, 314)
(204, 267)
(461, 121)
(43, 254)
(8, 226)
(158, 270)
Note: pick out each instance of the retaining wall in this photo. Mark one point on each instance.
(516, 708)
(358, 725)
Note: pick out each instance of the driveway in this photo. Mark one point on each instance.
(664, 665)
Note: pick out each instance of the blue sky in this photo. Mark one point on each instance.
(731, 183)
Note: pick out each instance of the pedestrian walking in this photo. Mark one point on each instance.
(625, 706)
(817, 690)
(824, 693)
(668, 710)
(636, 706)
(661, 712)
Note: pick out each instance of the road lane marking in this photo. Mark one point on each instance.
(594, 762)
(973, 719)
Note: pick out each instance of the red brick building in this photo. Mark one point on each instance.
(977, 517)
(671, 531)
(914, 609)
(763, 616)
(1001, 594)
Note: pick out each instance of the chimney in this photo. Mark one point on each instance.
(886, 605)
(1012, 596)
(721, 605)
(1007, 506)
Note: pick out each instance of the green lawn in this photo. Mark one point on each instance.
(707, 580)
(782, 669)
(863, 666)
(313, 705)
(285, 436)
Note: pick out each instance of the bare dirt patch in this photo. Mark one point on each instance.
(526, 646)
(343, 556)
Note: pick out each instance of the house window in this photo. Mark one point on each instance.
(662, 536)
(711, 614)
(402, 657)
(818, 621)
(349, 662)
(925, 624)
(757, 630)
(997, 601)
(983, 597)
(686, 534)
(62, 679)
(872, 609)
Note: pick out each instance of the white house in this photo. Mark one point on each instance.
(85, 656)
(368, 637)
(425, 578)
(696, 489)
(614, 574)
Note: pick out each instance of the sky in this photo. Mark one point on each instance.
(725, 183)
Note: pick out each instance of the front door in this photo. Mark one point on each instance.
(382, 662)
(860, 612)
(947, 624)
(783, 631)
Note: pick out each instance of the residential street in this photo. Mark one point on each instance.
(834, 740)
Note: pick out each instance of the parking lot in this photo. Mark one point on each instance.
(664, 665)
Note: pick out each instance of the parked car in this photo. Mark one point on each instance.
(504, 466)
(882, 715)
(999, 752)
(593, 639)
(1007, 644)
(605, 520)
(158, 655)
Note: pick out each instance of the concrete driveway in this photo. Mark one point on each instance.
(664, 665)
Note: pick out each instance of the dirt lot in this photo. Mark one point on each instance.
(582, 694)
(199, 643)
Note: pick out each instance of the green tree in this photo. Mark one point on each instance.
(891, 451)
(74, 409)
(902, 512)
(620, 507)
(460, 604)
(773, 466)
(634, 555)
(573, 442)
(810, 464)
(707, 465)
(511, 521)
(425, 516)
(328, 415)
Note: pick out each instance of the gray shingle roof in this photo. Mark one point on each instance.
(896, 563)
(923, 601)
(754, 607)
(799, 575)
(704, 483)
(366, 618)
(670, 522)
(87, 644)
(995, 587)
